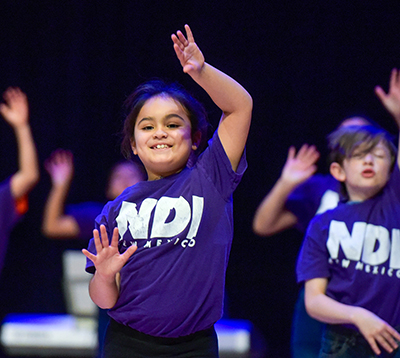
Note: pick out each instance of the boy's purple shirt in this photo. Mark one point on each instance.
(313, 196)
(357, 247)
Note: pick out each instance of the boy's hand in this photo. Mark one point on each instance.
(188, 53)
(301, 166)
(15, 110)
(391, 100)
(376, 331)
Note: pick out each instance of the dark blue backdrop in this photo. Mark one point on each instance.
(307, 64)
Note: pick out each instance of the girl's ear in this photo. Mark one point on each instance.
(196, 140)
(133, 146)
(337, 172)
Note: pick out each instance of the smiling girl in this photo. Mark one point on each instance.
(162, 276)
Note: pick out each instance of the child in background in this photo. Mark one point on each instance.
(76, 221)
(162, 275)
(350, 257)
(297, 196)
(13, 191)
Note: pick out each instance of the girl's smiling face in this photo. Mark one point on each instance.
(162, 137)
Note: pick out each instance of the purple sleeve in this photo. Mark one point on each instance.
(313, 258)
(8, 218)
(306, 199)
(222, 175)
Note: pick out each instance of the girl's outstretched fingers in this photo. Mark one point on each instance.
(189, 34)
(104, 236)
(97, 241)
(89, 255)
(115, 237)
(129, 252)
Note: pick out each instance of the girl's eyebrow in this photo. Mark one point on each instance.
(173, 115)
(145, 119)
(168, 116)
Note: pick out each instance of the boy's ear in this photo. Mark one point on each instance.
(337, 172)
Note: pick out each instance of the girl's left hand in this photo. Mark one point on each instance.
(188, 53)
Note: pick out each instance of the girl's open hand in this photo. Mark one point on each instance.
(108, 261)
(188, 53)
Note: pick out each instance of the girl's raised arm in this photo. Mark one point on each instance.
(234, 101)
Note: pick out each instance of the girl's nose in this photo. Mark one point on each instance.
(160, 133)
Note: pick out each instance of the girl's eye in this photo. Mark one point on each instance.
(147, 128)
(173, 125)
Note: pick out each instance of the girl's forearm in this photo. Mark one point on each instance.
(104, 292)
(225, 92)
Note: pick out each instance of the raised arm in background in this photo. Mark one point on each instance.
(15, 110)
(271, 215)
(56, 224)
(391, 101)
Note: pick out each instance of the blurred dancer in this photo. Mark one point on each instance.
(13, 191)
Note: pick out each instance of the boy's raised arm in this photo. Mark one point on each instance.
(15, 111)
(234, 101)
(391, 100)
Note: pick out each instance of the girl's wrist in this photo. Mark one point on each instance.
(105, 279)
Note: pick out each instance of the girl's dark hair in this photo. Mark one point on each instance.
(134, 103)
(344, 140)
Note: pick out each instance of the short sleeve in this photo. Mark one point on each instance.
(313, 258)
(218, 168)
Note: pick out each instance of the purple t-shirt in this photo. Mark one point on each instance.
(173, 285)
(314, 196)
(8, 217)
(357, 247)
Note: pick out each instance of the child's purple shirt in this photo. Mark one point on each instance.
(173, 285)
(357, 247)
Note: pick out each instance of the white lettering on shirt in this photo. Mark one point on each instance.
(171, 217)
(368, 245)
